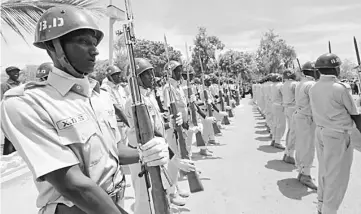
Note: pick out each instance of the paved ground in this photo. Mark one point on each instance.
(246, 176)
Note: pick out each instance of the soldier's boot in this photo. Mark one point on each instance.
(307, 181)
(213, 142)
(177, 200)
(273, 143)
(290, 160)
(205, 152)
(299, 176)
(182, 193)
(279, 146)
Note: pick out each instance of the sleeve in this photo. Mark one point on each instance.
(349, 102)
(32, 132)
(166, 97)
(4, 87)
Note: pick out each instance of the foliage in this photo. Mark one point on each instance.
(273, 53)
(22, 15)
(347, 70)
(99, 70)
(151, 50)
(205, 47)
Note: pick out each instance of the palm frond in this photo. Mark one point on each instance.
(22, 15)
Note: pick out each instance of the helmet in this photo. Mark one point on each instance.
(308, 66)
(44, 70)
(141, 65)
(171, 65)
(11, 68)
(112, 69)
(328, 60)
(196, 80)
(61, 20)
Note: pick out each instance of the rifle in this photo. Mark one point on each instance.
(199, 137)
(195, 184)
(358, 62)
(209, 106)
(299, 65)
(329, 47)
(143, 126)
(225, 119)
(230, 113)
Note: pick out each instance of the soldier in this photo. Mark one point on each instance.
(268, 104)
(66, 131)
(289, 102)
(13, 81)
(43, 71)
(335, 113)
(279, 119)
(305, 126)
(146, 81)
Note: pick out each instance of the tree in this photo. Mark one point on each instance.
(273, 53)
(205, 47)
(347, 70)
(154, 51)
(22, 15)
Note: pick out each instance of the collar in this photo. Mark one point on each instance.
(328, 77)
(12, 82)
(145, 92)
(308, 78)
(109, 83)
(64, 82)
(173, 82)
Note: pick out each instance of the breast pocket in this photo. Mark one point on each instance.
(83, 140)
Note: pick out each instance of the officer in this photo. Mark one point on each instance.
(279, 123)
(13, 81)
(65, 131)
(335, 113)
(43, 71)
(111, 85)
(305, 126)
(146, 81)
(289, 102)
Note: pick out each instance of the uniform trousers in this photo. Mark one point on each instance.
(305, 142)
(269, 116)
(335, 155)
(291, 133)
(279, 122)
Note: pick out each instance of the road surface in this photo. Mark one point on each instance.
(245, 176)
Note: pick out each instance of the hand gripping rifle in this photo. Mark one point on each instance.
(199, 137)
(195, 184)
(358, 62)
(143, 126)
(205, 93)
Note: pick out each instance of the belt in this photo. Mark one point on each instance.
(118, 193)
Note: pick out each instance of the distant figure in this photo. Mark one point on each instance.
(13, 81)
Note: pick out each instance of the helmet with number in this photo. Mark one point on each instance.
(44, 70)
(171, 65)
(328, 60)
(308, 66)
(61, 20)
(141, 65)
(112, 69)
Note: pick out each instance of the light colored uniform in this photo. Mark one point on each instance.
(208, 132)
(141, 205)
(268, 105)
(61, 123)
(332, 106)
(118, 97)
(304, 126)
(289, 102)
(9, 84)
(279, 123)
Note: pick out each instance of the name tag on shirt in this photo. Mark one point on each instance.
(63, 124)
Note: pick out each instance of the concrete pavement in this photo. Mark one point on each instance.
(245, 176)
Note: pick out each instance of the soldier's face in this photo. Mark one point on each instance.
(80, 49)
(117, 78)
(14, 75)
(147, 78)
(184, 76)
(177, 73)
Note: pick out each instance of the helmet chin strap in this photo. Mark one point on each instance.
(64, 61)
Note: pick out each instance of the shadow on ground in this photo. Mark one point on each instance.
(293, 189)
(179, 210)
(268, 149)
(263, 138)
(280, 166)
(261, 123)
(197, 156)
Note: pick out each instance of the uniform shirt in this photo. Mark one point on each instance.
(332, 104)
(303, 105)
(178, 96)
(276, 92)
(288, 92)
(154, 114)
(8, 85)
(214, 90)
(60, 123)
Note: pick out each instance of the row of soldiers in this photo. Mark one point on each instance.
(320, 114)
(76, 135)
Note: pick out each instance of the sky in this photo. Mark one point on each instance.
(306, 25)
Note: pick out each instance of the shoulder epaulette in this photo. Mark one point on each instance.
(19, 90)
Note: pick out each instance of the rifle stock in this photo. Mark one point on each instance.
(143, 126)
